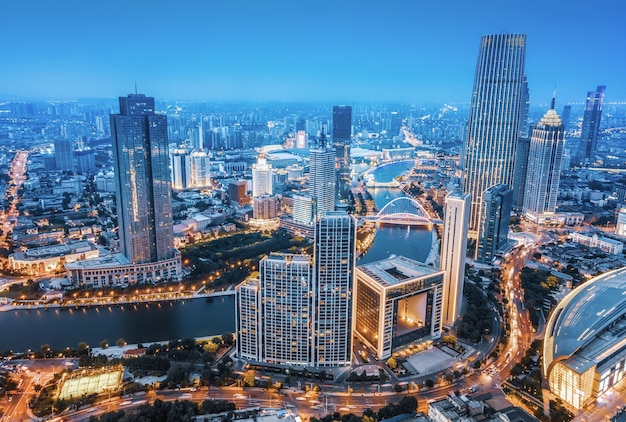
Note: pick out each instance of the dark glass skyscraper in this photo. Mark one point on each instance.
(143, 184)
(591, 125)
(495, 219)
(342, 129)
(494, 121)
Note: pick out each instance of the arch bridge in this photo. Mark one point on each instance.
(404, 211)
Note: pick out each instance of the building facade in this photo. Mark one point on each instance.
(342, 131)
(322, 178)
(494, 121)
(394, 297)
(585, 340)
(453, 251)
(333, 283)
(64, 154)
(262, 178)
(141, 163)
(591, 125)
(544, 165)
(181, 169)
(495, 219)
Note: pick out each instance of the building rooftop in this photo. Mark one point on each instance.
(106, 261)
(584, 316)
(396, 270)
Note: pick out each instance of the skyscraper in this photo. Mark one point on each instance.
(64, 154)
(262, 178)
(181, 169)
(566, 116)
(453, 250)
(333, 281)
(495, 218)
(520, 172)
(143, 191)
(322, 177)
(591, 125)
(494, 121)
(342, 129)
(544, 166)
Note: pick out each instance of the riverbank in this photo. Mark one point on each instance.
(104, 302)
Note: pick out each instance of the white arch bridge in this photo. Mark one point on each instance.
(403, 211)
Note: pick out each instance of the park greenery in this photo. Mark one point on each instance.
(175, 411)
(477, 320)
(235, 257)
(538, 286)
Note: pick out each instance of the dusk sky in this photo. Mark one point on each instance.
(337, 51)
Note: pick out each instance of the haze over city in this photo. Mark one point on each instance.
(347, 51)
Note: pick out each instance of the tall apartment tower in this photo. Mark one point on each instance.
(453, 251)
(262, 178)
(566, 116)
(274, 313)
(342, 129)
(333, 283)
(544, 166)
(495, 218)
(143, 184)
(64, 154)
(591, 125)
(322, 177)
(494, 121)
(181, 169)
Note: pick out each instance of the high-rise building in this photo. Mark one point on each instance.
(566, 116)
(181, 169)
(64, 154)
(322, 177)
(494, 121)
(520, 172)
(342, 130)
(495, 218)
(238, 192)
(303, 210)
(591, 125)
(544, 166)
(453, 251)
(525, 106)
(262, 178)
(143, 191)
(333, 283)
(86, 160)
(274, 313)
(265, 207)
(200, 169)
(620, 227)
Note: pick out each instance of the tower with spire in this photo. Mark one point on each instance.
(547, 142)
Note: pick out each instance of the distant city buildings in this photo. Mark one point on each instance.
(591, 126)
(494, 121)
(453, 251)
(64, 154)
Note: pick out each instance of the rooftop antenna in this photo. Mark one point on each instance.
(135, 88)
(553, 98)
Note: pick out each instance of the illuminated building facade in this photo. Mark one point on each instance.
(453, 251)
(322, 178)
(585, 340)
(544, 166)
(262, 178)
(395, 298)
(494, 121)
(591, 125)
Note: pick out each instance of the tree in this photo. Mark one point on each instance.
(227, 338)
(210, 347)
(449, 339)
(392, 363)
(397, 388)
(121, 342)
(104, 343)
(248, 379)
(430, 383)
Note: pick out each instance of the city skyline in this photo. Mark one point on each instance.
(247, 51)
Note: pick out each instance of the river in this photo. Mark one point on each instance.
(60, 328)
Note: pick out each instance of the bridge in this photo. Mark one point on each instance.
(403, 211)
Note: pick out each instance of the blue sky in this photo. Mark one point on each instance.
(325, 50)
